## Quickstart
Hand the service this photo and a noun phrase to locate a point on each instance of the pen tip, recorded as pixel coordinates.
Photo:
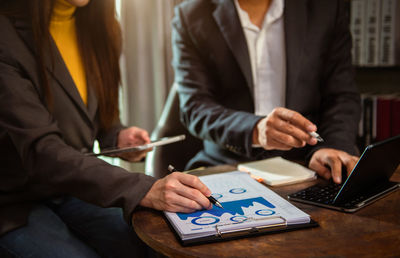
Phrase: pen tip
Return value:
(171, 168)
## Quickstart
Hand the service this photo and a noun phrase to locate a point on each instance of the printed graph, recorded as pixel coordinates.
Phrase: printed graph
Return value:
(233, 207)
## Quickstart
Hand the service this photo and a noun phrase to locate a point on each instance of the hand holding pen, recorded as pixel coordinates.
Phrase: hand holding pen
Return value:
(178, 192)
(210, 198)
(285, 129)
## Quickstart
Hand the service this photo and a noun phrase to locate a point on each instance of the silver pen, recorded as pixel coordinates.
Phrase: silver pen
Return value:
(316, 136)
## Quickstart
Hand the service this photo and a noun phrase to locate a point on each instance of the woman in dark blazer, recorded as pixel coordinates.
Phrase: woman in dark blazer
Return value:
(59, 78)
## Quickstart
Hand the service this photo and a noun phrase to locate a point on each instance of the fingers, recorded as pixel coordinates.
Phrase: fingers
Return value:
(336, 169)
(178, 192)
(175, 200)
(334, 160)
(137, 136)
(144, 135)
(285, 132)
(296, 119)
(271, 141)
(270, 138)
(284, 129)
(132, 136)
(341, 159)
(194, 182)
(194, 189)
(161, 197)
(320, 168)
(350, 162)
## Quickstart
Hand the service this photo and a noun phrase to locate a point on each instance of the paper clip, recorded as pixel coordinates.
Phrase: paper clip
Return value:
(248, 230)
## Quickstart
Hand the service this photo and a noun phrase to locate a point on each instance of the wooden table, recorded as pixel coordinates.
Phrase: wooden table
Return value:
(373, 231)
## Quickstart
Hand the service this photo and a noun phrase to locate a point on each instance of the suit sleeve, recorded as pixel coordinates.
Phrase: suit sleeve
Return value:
(109, 138)
(201, 112)
(51, 167)
(340, 106)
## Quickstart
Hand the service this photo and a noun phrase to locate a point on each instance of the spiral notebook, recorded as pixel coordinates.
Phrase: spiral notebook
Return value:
(249, 208)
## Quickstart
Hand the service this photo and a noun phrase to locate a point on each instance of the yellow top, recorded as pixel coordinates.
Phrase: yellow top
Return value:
(63, 30)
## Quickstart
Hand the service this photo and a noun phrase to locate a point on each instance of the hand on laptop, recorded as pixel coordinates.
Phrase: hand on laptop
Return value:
(328, 163)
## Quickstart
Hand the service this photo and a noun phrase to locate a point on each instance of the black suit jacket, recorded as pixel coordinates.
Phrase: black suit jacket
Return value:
(213, 73)
(41, 150)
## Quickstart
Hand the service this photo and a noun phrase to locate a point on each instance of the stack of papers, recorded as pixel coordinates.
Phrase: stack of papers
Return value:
(248, 207)
(277, 171)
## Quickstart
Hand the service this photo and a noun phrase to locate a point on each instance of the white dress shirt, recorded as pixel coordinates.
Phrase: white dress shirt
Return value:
(266, 46)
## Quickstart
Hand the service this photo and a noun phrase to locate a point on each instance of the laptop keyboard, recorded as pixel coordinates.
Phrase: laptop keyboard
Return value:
(325, 194)
(319, 193)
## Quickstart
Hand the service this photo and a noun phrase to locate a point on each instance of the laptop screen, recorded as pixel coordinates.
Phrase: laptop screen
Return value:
(376, 165)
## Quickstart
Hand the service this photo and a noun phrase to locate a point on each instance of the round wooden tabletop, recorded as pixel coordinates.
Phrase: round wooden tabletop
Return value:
(373, 231)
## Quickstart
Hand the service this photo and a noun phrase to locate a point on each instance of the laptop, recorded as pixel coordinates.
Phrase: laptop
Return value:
(367, 182)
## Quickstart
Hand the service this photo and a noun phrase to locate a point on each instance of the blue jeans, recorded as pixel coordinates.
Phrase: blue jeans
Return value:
(73, 228)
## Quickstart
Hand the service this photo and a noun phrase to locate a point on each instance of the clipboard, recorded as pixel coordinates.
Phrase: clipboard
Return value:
(155, 143)
(249, 209)
(229, 235)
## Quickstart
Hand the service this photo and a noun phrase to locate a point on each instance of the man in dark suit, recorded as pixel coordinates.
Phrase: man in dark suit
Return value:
(255, 78)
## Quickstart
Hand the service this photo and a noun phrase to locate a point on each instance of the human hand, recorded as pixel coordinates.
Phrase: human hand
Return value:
(178, 192)
(130, 137)
(284, 129)
(328, 162)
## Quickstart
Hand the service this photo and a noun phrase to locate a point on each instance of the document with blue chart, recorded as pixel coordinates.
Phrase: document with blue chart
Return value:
(248, 205)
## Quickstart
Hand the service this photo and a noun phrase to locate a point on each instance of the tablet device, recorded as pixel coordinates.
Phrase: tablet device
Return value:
(368, 181)
(155, 143)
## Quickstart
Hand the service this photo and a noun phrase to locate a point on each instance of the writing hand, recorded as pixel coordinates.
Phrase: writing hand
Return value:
(178, 192)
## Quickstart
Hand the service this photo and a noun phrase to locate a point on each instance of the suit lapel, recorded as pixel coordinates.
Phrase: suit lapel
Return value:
(60, 72)
(295, 16)
(57, 68)
(228, 22)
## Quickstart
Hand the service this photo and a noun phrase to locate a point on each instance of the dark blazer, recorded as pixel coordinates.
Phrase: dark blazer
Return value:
(41, 150)
(215, 85)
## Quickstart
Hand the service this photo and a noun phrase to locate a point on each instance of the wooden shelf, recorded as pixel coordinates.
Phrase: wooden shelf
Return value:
(378, 79)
